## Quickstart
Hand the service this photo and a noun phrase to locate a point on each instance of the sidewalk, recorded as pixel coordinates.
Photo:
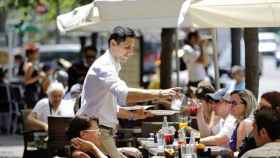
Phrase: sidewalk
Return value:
(11, 146)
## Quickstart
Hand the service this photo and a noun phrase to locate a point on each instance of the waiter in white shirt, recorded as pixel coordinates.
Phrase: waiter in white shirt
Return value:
(103, 90)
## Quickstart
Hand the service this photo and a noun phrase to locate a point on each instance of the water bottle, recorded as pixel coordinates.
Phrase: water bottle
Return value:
(165, 124)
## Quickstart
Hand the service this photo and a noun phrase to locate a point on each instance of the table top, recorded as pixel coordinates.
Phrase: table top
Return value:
(155, 150)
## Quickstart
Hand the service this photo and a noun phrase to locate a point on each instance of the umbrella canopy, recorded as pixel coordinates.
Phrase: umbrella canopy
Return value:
(103, 15)
(230, 13)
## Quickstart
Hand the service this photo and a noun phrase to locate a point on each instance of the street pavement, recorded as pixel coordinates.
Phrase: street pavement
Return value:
(270, 79)
(11, 146)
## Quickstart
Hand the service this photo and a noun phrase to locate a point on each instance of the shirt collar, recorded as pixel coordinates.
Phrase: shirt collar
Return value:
(115, 62)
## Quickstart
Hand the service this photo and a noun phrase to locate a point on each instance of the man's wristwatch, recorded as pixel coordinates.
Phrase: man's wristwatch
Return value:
(160, 95)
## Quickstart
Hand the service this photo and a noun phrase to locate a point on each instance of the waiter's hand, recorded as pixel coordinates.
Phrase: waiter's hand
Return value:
(170, 93)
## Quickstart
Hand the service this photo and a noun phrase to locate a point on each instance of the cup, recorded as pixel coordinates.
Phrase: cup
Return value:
(183, 122)
(168, 138)
(177, 102)
(186, 151)
(160, 139)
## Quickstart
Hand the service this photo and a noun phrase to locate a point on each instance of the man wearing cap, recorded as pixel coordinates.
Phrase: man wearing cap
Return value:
(221, 132)
(103, 89)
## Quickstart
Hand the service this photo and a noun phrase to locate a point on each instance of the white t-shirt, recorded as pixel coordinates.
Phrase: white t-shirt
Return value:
(225, 126)
(196, 70)
(42, 109)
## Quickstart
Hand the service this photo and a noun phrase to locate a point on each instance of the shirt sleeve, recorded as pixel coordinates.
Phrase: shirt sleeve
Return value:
(111, 80)
(191, 54)
(38, 109)
(228, 127)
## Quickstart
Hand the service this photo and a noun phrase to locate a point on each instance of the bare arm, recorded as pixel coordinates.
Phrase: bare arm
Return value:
(136, 95)
(141, 95)
(215, 140)
(137, 114)
(35, 122)
(203, 127)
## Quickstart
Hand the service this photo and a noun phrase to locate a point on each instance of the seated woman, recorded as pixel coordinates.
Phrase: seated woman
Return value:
(84, 135)
(271, 99)
(243, 104)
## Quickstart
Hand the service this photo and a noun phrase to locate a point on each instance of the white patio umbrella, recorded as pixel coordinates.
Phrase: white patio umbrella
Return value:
(230, 13)
(103, 15)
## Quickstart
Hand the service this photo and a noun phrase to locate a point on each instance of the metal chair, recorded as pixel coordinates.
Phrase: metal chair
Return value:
(29, 133)
(58, 145)
(5, 107)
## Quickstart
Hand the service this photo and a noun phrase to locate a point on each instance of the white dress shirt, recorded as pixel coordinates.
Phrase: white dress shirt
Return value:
(103, 90)
(42, 109)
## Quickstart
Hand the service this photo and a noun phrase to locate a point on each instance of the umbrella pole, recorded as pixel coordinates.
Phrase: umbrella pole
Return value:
(11, 59)
(215, 59)
(177, 59)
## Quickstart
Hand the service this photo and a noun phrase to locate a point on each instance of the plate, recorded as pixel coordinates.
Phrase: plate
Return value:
(163, 112)
(136, 107)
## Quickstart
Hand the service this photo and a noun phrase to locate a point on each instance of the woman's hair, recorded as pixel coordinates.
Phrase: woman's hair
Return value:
(78, 124)
(249, 100)
(30, 49)
(203, 89)
(55, 86)
(273, 98)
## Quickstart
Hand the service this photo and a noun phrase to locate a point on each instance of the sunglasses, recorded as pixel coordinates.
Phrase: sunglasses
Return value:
(92, 130)
(235, 103)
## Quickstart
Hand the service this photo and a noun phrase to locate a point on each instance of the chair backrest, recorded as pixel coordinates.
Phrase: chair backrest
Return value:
(5, 98)
(57, 135)
(16, 93)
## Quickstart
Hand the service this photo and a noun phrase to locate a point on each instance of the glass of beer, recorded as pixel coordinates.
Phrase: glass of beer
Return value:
(183, 122)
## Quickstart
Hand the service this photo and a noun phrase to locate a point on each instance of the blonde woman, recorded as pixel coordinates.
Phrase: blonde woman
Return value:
(243, 104)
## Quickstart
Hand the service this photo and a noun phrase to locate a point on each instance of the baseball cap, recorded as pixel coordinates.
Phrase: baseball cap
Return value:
(221, 94)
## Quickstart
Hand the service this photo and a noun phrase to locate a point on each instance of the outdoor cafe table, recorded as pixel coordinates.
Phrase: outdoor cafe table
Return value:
(154, 150)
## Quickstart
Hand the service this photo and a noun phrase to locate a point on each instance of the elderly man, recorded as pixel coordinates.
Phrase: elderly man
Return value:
(221, 132)
(103, 89)
(51, 106)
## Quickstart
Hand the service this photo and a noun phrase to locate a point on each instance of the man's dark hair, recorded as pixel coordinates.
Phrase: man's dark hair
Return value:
(268, 119)
(120, 34)
(88, 48)
(77, 125)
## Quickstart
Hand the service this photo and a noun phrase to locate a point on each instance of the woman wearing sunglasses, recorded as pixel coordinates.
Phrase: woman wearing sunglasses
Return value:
(243, 104)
